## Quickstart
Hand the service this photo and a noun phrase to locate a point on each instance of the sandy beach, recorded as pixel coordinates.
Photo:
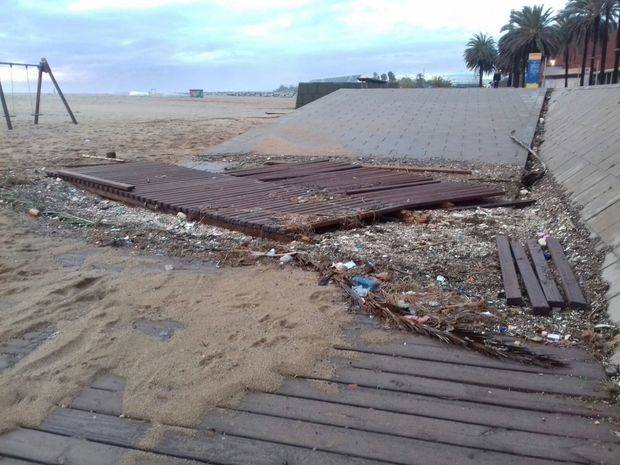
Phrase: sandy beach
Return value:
(236, 328)
(137, 128)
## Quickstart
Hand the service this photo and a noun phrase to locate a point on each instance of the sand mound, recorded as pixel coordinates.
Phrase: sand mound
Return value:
(236, 329)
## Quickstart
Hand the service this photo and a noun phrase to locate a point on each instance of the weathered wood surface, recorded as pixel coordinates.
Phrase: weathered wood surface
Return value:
(411, 401)
(572, 290)
(509, 272)
(545, 276)
(539, 303)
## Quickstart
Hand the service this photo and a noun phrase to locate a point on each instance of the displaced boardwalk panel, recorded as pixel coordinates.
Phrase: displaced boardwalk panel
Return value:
(572, 291)
(278, 201)
(532, 286)
(509, 272)
(545, 277)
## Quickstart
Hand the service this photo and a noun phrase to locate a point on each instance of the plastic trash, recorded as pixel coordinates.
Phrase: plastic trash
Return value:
(360, 290)
(441, 279)
(371, 284)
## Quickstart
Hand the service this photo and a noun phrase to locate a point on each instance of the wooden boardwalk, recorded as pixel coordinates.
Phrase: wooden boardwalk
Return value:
(414, 401)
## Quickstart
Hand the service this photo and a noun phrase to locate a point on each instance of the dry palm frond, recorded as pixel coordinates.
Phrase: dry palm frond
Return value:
(447, 331)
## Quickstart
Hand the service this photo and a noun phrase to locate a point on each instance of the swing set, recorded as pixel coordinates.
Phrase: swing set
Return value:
(42, 67)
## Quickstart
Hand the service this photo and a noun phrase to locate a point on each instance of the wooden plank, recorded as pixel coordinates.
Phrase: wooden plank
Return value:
(545, 276)
(363, 444)
(430, 429)
(75, 175)
(454, 390)
(109, 382)
(539, 303)
(454, 410)
(509, 272)
(12, 461)
(483, 376)
(449, 353)
(191, 444)
(51, 448)
(572, 290)
(100, 401)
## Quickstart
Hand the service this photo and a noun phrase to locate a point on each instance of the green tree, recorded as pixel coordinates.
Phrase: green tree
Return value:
(586, 17)
(480, 54)
(391, 79)
(565, 31)
(610, 9)
(529, 30)
(439, 81)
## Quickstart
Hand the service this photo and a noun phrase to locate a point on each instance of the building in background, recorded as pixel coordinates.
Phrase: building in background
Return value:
(554, 72)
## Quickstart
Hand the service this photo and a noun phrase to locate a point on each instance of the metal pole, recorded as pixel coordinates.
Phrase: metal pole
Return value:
(46, 67)
(5, 109)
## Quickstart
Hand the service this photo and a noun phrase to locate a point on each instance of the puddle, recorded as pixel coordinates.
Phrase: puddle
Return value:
(16, 349)
(161, 329)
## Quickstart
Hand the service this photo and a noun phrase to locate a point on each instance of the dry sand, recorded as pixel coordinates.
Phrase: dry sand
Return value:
(137, 128)
(243, 328)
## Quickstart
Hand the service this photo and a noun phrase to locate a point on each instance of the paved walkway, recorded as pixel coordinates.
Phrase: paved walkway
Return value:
(411, 402)
(420, 124)
(582, 150)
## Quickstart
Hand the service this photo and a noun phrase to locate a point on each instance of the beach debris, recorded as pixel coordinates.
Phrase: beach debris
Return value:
(34, 212)
(182, 216)
(271, 253)
(412, 217)
(106, 158)
(371, 284)
(111, 154)
(287, 258)
(169, 267)
(441, 279)
(538, 275)
(340, 266)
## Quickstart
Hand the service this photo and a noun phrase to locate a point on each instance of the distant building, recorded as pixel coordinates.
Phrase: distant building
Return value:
(196, 93)
(310, 91)
(554, 66)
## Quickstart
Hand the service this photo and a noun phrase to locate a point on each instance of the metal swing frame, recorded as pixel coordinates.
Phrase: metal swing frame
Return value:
(42, 67)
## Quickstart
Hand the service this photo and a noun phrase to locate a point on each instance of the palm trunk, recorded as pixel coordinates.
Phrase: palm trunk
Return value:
(614, 76)
(480, 77)
(586, 41)
(601, 73)
(566, 58)
(593, 57)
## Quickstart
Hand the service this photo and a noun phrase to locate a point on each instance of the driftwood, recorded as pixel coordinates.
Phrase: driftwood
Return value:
(96, 157)
(381, 305)
(420, 168)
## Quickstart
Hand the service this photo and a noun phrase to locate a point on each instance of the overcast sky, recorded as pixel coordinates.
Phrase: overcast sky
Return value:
(123, 45)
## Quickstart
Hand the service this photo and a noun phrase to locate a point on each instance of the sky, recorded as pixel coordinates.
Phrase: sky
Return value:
(116, 46)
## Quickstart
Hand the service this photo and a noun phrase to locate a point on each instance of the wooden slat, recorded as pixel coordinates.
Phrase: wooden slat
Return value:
(483, 376)
(454, 410)
(101, 401)
(545, 276)
(109, 383)
(372, 446)
(52, 448)
(430, 429)
(12, 461)
(455, 390)
(449, 353)
(572, 290)
(509, 272)
(539, 303)
(104, 182)
(204, 446)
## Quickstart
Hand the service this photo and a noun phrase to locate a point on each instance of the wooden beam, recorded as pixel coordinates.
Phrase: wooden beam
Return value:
(545, 276)
(509, 272)
(572, 291)
(539, 303)
(5, 109)
(37, 105)
(46, 67)
(74, 175)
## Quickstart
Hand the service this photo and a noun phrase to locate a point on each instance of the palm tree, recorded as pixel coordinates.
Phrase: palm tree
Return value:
(529, 30)
(610, 8)
(586, 15)
(565, 31)
(614, 76)
(480, 54)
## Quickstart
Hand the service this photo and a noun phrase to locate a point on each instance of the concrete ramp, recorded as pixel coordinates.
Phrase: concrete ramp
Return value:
(419, 124)
(582, 149)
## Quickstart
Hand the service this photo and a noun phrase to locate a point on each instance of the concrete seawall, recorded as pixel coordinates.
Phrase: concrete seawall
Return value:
(582, 150)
